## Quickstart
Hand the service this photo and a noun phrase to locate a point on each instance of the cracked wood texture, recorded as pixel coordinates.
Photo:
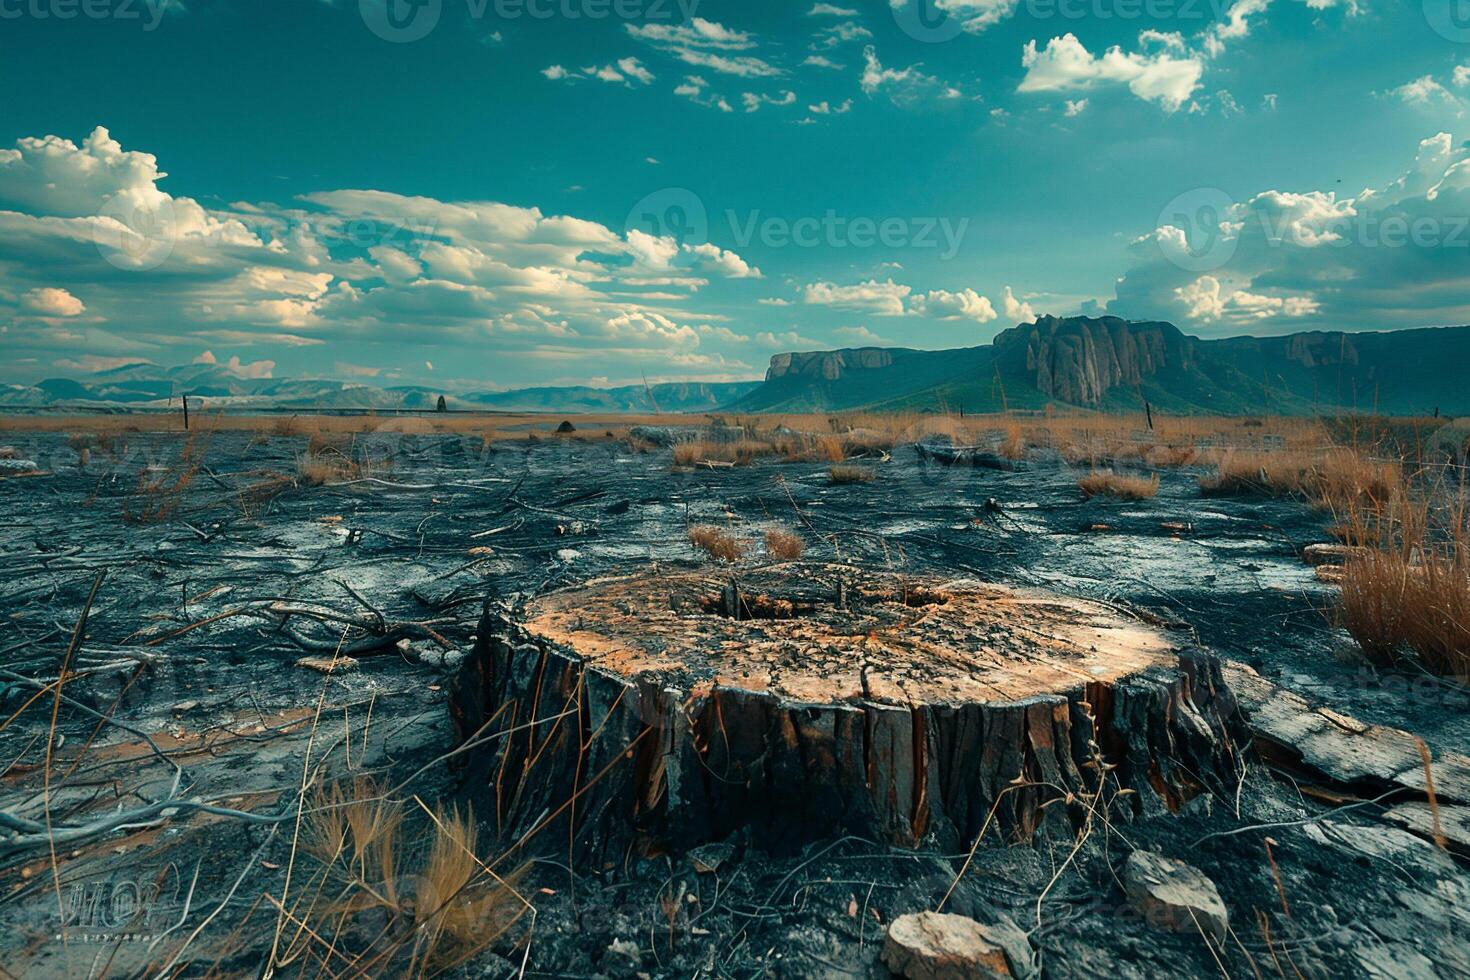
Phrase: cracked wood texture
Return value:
(675, 707)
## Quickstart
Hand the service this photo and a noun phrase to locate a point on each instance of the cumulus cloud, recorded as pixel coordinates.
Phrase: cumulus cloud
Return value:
(1391, 256)
(963, 305)
(1165, 76)
(883, 298)
(50, 301)
(161, 273)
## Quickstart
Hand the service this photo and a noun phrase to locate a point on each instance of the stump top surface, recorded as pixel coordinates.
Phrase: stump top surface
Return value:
(822, 633)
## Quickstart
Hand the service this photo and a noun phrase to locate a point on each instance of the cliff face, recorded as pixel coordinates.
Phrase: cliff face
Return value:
(828, 365)
(1080, 359)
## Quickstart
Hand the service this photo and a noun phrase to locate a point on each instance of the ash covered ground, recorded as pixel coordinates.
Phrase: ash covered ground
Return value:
(186, 708)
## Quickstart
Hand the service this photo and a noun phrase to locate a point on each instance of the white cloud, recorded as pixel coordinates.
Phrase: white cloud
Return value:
(50, 301)
(1075, 107)
(830, 10)
(862, 335)
(1424, 91)
(635, 70)
(457, 273)
(1064, 65)
(1389, 256)
(706, 44)
(963, 305)
(1014, 309)
(788, 340)
(825, 108)
(883, 298)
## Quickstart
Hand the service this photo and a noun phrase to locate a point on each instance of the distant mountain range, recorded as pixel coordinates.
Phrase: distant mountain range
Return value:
(148, 386)
(1111, 364)
(1104, 364)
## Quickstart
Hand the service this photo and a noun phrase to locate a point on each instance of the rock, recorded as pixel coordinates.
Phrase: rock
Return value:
(1173, 895)
(566, 428)
(662, 435)
(708, 857)
(328, 665)
(938, 946)
(828, 365)
(1328, 554)
(1080, 359)
(622, 959)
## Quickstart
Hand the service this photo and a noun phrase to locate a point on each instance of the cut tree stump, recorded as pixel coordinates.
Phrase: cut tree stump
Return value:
(672, 708)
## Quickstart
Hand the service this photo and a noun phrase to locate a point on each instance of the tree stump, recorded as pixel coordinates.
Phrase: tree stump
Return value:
(673, 708)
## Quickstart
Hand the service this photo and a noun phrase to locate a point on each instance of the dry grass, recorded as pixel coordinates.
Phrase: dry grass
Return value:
(1337, 478)
(850, 474)
(1408, 589)
(784, 545)
(1014, 444)
(1105, 483)
(704, 451)
(161, 493)
(439, 903)
(320, 469)
(716, 543)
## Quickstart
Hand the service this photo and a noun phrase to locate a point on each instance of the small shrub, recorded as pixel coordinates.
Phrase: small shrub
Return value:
(784, 544)
(718, 544)
(1104, 483)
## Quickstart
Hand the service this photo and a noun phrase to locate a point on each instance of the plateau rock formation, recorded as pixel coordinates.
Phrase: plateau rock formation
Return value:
(1080, 359)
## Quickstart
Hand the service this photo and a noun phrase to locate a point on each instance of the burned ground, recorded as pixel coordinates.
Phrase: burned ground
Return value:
(218, 568)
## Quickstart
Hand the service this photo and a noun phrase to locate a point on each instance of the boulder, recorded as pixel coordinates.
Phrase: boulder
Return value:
(938, 946)
(1173, 895)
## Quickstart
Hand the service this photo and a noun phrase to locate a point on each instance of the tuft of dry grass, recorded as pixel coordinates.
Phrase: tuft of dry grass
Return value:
(160, 494)
(1014, 444)
(1105, 483)
(703, 451)
(441, 903)
(1337, 478)
(319, 469)
(785, 545)
(716, 543)
(850, 474)
(1406, 587)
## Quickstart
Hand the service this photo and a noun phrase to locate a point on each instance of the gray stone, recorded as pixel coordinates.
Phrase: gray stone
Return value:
(938, 946)
(1173, 895)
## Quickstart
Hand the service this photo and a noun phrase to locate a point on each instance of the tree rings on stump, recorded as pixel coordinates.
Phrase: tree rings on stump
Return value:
(799, 700)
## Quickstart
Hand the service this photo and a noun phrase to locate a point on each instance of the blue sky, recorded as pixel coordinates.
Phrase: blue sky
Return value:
(493, 193)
